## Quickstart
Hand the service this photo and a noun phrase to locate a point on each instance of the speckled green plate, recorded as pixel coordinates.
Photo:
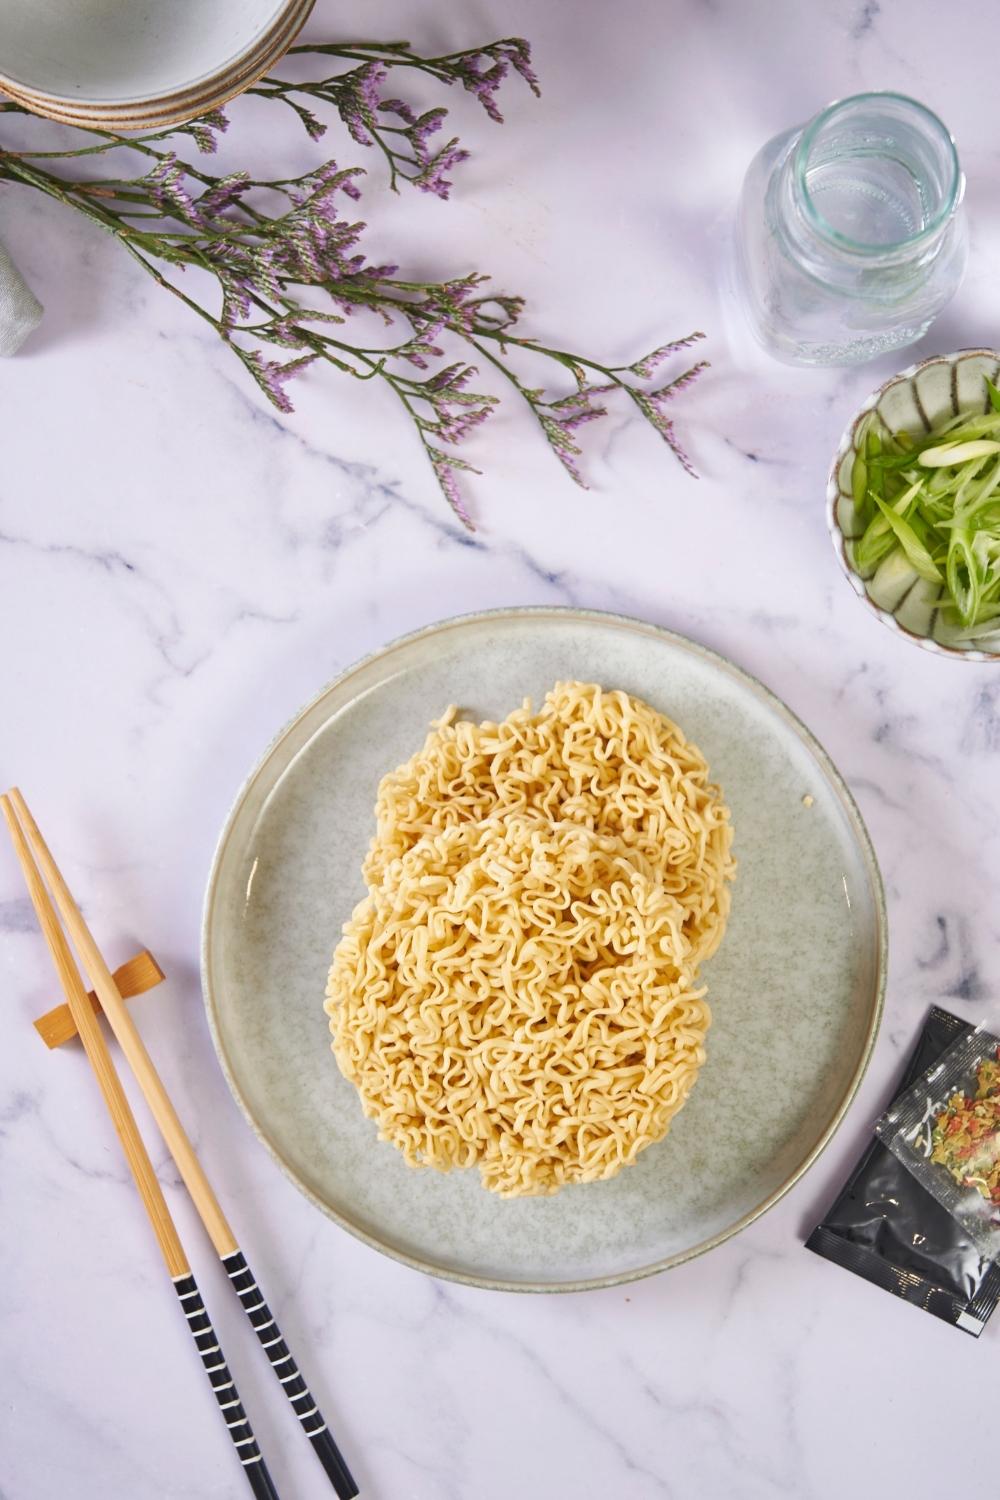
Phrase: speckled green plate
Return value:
(796, 989)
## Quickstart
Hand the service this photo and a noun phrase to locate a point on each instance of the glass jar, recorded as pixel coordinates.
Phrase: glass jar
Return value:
(851, 235)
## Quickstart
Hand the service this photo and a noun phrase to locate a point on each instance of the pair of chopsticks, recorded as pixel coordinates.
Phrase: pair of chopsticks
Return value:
(31, 847)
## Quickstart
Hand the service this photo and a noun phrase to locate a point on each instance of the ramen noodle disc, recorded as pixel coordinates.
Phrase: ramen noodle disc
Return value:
(518, 991)
(602, 759)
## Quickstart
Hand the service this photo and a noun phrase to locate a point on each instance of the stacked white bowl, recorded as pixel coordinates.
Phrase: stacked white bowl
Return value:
(133, 64)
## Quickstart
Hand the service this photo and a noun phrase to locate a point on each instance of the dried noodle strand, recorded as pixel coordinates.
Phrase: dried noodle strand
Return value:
(518, 991)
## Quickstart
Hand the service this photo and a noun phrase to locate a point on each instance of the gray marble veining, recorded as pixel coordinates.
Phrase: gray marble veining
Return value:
(179, 571)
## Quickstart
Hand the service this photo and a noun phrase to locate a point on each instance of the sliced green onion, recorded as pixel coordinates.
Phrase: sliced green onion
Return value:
(932, 501)
(972, 424)
(976, 632)
(874, 478)
(918, 555)
(878, 541)
(957, 453)
(963, 578)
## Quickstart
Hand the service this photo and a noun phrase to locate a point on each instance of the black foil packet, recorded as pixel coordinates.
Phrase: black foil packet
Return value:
(885, 1227)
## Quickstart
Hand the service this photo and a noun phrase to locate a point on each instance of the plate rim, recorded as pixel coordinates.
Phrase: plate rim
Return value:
(837, 784)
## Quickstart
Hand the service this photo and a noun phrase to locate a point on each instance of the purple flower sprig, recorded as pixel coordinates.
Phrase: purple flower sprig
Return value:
(561, 419)
(405, 138)
(294, 288)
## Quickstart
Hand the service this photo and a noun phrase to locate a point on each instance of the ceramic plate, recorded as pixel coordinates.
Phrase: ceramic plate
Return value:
(796, 988)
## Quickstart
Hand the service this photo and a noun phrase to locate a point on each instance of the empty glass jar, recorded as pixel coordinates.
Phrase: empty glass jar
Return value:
(851, 234)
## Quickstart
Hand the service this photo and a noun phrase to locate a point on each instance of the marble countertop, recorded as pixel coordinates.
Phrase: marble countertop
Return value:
(179, 570)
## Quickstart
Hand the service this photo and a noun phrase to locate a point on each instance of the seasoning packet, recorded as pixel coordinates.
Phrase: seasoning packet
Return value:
(945, 1129)
(890, 1230)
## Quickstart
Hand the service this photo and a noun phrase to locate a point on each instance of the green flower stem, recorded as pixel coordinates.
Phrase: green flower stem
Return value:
(177, 214)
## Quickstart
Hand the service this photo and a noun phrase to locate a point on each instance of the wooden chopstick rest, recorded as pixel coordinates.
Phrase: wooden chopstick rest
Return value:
(133, 978)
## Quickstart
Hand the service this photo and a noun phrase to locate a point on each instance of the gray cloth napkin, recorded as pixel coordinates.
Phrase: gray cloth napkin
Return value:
(20, 309)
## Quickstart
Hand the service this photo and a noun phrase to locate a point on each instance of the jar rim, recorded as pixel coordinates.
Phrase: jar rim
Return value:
(859, 247)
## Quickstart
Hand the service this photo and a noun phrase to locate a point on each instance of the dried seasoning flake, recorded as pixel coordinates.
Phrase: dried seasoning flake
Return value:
(965, 1138)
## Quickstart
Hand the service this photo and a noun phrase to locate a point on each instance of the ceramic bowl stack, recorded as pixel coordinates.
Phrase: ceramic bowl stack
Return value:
(148, 63)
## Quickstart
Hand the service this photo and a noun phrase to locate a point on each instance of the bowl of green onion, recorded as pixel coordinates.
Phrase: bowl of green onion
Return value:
(913, 504)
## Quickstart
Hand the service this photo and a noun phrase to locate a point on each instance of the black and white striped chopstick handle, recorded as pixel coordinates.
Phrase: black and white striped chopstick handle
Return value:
(284, 1366)
(222, 1383)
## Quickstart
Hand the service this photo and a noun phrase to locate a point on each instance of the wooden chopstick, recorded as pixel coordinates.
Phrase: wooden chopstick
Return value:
(244, 1282)
(178, 1266)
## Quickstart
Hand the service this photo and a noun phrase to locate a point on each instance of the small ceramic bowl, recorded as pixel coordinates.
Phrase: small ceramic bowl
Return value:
(914, 401)
(155, 62)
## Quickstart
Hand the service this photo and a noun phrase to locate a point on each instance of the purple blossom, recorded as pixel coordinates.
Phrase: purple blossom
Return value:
(574, 411)
(430, 330)
(417, 131)
(649, 405)
(452, 427)
(417, 353)
(568, 458)
(578, 418)
(329, 178)
(381, 273)
(315, 129)
(309, 244)
(357, 98)
(419, 128)
(370, 79)
(304, 251)
(454, 302)
(426, 125)
(484, 81)
(236, 292)
(561, 419)
(165, 185)
(644, 368)
(432, 178)
(670, 437)
(570, 464)
(484, 85)
(519, 52)
(272, 377)
(203, 130)
(461, 289)
(565, 449)
(452, 379)
(260, 264)
(682, 382)
(399, 107)
(224, 194)
(445, 466)
(422, 347)
(286, 332)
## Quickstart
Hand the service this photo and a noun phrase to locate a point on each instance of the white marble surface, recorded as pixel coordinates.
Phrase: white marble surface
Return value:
(179, 570)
